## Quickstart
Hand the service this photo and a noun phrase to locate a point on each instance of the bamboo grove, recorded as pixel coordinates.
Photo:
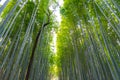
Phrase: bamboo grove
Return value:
(87, 45)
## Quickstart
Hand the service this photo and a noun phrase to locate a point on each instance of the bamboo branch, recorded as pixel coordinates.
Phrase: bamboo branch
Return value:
(35, 45)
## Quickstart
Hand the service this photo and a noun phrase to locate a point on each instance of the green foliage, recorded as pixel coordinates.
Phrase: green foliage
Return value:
(88, 40)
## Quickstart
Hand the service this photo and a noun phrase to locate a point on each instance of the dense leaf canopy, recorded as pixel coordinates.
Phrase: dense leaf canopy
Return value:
(87, 45)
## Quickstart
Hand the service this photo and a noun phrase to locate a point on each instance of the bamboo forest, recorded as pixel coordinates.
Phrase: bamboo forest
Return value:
(59, 39)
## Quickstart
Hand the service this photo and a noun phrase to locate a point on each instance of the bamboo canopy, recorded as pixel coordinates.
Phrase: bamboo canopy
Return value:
(85, 45)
